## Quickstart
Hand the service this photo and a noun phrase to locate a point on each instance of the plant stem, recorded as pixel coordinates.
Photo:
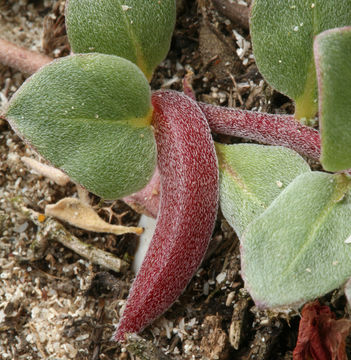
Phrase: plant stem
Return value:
(270, 129)
(306, 106)
(21, 59)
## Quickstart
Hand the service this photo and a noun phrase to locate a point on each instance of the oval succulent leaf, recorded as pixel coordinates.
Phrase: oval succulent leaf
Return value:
(90, 115)
(251, 177)
(333, 54)
(282, 36)
(297, 250)
(139, 31)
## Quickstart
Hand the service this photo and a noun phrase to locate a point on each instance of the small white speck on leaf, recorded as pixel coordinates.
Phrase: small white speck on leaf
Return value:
(308, 270)
(335, 262)
(296, 28)
(313, 5)
(348, 240)
(96, 116)
(279, 183)
(126, 7)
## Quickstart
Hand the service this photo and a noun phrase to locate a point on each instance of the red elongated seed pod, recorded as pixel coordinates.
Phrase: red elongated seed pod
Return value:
(189, 197)
(283, 130)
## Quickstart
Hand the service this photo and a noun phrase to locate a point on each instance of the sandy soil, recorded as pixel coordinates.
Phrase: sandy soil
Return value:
(55, 304)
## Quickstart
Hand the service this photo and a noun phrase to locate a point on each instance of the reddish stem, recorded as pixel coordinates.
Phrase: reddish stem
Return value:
(270, 129)
(21, 59)
(189, 180)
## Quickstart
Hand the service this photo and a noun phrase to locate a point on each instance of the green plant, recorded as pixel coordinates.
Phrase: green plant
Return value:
(302, 236)
(291, 40)
(93, 116)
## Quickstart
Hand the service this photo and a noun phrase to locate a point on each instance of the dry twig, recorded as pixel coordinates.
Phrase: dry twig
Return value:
(56, 175)
(237, 13)
(53, 230)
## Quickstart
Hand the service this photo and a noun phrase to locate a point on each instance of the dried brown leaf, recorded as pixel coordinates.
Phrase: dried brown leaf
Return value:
(81, 215)
(321, 336)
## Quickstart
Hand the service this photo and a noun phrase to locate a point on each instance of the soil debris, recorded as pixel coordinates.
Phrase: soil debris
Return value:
(59, 305)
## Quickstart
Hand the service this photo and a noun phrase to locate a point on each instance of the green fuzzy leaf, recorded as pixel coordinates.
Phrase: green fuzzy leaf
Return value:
(139, 31)
(251, 177)
(333, 54)
(282, 36)
(90, 115)
(297, 250)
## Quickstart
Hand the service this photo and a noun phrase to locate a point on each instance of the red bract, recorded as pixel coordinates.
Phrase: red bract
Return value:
(189, 195)
(321, 337)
